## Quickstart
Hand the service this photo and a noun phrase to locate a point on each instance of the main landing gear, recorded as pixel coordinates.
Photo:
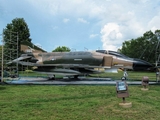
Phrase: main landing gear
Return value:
(51, 77)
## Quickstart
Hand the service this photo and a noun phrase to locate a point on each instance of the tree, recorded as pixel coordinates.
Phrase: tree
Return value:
(0, 55)
(62, 49)
(15, 32)
(143, 47)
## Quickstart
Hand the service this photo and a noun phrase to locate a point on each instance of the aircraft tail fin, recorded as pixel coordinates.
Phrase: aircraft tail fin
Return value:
(33, 49)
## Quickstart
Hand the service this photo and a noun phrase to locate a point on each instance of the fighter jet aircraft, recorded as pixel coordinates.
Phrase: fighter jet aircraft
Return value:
(79, 62)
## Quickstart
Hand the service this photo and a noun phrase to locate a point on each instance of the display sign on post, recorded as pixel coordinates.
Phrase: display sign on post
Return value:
(121, 86)
(122, 92)
(145, 82)
(122, 89)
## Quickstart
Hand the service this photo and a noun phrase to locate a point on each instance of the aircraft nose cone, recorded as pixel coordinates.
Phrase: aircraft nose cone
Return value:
(141, 65)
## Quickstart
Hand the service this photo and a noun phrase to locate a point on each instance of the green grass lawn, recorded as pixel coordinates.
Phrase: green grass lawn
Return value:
(132, 75)
(47, 102)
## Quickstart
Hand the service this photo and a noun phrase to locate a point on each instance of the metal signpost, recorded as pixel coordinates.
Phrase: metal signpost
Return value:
(145, 83)
(122, 92)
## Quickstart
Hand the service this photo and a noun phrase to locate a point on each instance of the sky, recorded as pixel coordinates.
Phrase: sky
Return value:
(83, 24)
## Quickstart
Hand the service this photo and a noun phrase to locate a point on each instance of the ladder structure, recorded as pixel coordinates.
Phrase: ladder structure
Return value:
(157, 58)
(9, 51)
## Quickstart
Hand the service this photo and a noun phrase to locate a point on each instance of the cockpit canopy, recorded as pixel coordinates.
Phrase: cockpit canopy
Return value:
(112, 53)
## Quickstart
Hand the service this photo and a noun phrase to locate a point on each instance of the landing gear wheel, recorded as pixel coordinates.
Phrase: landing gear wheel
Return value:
(76, 76)
(52, 77)
(123, 78)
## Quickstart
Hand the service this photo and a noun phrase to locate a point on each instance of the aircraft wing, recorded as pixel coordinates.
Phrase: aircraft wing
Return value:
(57, 65)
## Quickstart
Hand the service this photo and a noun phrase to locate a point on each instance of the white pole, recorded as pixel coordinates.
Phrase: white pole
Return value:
(17, 55)
(2, 56)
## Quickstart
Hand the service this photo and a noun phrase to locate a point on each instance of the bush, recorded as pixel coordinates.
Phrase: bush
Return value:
(29, 71)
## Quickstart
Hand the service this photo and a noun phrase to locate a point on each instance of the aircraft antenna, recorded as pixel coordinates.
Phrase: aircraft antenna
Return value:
(85, 48)
(30, 49)
(73, 49)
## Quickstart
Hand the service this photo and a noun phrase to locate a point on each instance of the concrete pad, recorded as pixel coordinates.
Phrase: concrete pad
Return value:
(144, 89)
(126, 105)
(84, 81)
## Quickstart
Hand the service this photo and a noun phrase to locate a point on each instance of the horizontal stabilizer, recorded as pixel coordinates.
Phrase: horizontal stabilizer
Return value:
(22, 58)
(19, 59)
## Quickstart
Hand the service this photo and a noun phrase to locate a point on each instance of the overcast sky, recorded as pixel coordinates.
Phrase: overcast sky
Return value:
(83, 24)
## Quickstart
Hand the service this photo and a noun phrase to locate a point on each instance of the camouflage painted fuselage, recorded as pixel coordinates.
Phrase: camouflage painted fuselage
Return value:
(80, 59)
(80, 62)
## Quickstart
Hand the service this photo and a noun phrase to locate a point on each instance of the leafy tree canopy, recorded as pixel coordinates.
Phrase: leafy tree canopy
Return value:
(62, 49)
(143, 47)
(15, 33)
(18, 26)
